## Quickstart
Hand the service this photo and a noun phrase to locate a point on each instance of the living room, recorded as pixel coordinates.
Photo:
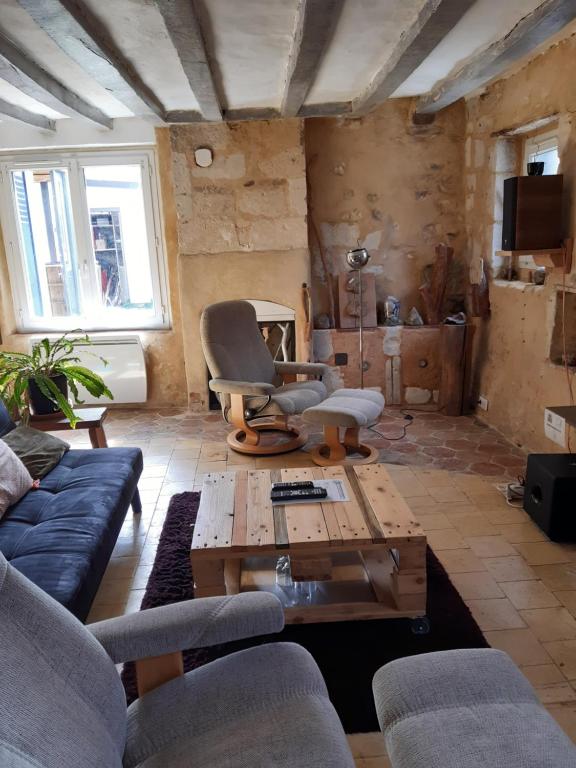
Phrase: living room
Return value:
(322, 243)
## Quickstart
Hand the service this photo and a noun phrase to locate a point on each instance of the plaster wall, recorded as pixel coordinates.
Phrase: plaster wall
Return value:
(241, 225)
(393, 186)
(513, 367)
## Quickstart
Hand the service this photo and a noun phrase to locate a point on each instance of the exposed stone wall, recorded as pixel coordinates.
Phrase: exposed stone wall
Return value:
(241, 225)
(253, 196)
(405, 362)
(513, 368)
(394, 186)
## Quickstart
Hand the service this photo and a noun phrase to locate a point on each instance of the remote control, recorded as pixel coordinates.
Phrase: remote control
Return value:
(299, 494)
(295, 485)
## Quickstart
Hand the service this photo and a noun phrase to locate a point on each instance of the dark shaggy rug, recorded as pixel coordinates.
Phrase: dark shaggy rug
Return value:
(348, 653)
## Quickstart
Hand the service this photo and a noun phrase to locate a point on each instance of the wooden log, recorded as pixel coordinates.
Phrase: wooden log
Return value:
(434, 291)
(468, 401)
(452, 354)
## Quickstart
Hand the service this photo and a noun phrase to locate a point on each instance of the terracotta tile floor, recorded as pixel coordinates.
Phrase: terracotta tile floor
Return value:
(520, 587)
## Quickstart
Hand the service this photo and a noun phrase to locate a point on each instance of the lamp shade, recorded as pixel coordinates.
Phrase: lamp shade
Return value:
(357, 258)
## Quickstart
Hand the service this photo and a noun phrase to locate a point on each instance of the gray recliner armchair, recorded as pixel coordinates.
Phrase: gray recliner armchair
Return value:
(62, 704)
(250, 384)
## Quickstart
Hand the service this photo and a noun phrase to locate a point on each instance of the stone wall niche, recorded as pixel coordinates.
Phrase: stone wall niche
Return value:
(208, 278)
(564, 330)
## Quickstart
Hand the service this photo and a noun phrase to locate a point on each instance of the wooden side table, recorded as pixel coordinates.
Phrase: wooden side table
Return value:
(91, 419)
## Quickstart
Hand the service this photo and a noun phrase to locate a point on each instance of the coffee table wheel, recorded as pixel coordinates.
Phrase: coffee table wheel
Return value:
(420, 626)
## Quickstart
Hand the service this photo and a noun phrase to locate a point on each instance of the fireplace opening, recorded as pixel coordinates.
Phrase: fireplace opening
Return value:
(277, 324)
(563, 345)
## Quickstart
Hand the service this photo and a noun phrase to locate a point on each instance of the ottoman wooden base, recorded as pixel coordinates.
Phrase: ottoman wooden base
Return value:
(350, 410)
(348, 451)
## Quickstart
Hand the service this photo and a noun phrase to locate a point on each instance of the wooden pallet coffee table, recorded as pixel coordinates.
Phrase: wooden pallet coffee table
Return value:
(366, 557)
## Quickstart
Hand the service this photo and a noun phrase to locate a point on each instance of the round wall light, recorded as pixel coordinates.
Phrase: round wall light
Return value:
(203, 157)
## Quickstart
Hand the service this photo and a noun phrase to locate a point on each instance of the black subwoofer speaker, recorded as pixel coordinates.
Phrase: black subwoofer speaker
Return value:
(550, 494)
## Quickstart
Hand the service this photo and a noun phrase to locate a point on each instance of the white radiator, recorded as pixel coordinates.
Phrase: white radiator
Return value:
(125, 374)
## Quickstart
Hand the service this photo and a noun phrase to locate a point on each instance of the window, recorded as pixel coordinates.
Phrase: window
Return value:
(542, 149)
(82, 233)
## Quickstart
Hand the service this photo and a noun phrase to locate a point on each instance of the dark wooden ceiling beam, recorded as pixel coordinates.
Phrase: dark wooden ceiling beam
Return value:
(434, 21)
(23, 73)
(326, 109)
(183, 116)
(24, 116)
(186, 34)
(83, 37)
(315, 24)
(530, 32)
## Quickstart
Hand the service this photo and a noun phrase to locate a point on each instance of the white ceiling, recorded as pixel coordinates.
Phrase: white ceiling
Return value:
(248, 45)
(484, 23)
(16, 24)
(250, 41)
(139, 32)
(365, 37)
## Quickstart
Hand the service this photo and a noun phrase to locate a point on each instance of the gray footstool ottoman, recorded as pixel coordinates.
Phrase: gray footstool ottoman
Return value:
(348, 409)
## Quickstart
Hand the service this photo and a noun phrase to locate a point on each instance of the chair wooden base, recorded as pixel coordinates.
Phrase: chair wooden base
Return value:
(241, 440)
(246, 436)
(348, 451)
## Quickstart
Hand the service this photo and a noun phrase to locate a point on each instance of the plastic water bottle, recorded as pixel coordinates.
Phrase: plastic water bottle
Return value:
(283, 573)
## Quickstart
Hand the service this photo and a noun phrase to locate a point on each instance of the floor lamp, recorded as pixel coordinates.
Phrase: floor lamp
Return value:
(357, 259)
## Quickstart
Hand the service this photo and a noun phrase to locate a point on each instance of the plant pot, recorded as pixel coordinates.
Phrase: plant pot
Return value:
(41, 405)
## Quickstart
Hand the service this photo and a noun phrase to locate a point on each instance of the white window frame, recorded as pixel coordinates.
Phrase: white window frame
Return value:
(73, 162)
(539, 143)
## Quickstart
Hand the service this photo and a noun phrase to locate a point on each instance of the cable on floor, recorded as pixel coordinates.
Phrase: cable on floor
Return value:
(407, 417)
(514, 492)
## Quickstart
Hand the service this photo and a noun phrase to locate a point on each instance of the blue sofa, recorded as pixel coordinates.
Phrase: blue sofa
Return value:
(61, 536)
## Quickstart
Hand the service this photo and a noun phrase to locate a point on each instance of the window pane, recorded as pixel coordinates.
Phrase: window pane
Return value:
(550, 159)
(119, 239)
(44, 217)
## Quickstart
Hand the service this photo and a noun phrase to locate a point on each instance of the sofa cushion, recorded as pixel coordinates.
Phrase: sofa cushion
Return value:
(38, 451)
(6, 423)
(62, 535)
(15, 480)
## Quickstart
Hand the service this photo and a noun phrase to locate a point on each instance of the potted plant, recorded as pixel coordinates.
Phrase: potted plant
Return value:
(44, 378)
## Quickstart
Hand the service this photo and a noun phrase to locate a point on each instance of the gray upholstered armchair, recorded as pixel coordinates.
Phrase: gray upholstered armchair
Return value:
(249, 384)
(465, 709)
(62, 703)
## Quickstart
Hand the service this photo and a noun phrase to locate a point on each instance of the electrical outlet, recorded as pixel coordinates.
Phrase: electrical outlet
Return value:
(555, 427)
(483, 403)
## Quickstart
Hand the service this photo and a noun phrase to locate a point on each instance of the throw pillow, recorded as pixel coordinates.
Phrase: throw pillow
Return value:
(15, 480)
(38, 451)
